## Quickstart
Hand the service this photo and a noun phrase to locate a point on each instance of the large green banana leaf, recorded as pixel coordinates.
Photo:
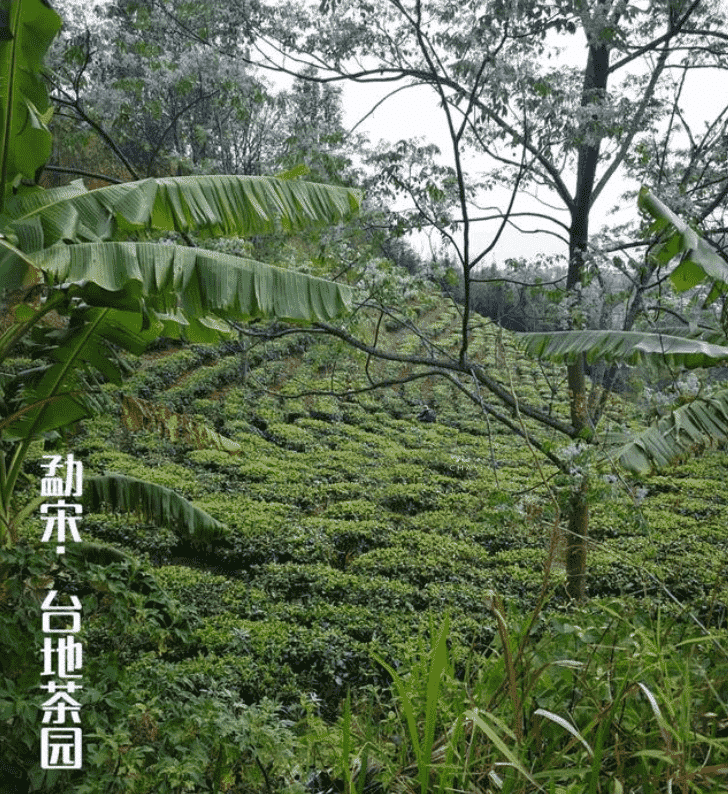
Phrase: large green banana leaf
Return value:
(698, 260)
(190, 287)
(27, 28)
(138, 291)
(162, 506)
(211, 205)
(59, 393)
(688, 429)
(630, 347)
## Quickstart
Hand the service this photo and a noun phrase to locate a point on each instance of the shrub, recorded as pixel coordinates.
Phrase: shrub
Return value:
(125, 613)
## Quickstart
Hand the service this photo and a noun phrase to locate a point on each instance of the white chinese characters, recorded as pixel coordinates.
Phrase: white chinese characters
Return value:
(67, 515)
(61, 735)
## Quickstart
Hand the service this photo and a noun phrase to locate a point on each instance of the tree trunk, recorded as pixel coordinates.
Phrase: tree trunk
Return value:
(593, 88)
(576, 542)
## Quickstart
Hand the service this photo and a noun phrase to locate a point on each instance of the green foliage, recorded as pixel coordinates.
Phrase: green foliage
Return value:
(125, 613)
(119, 296)
(193, 743)
(27, 28)
(698, 259)
(628, 346)
(134, 534)
(155, 469)
(424, 682)
(351, 510)
(408, 499)
(155, 502)
(690, 427)
(318, 573)
(160, 374)
(137, 414)
(595, 701)
(350, 525)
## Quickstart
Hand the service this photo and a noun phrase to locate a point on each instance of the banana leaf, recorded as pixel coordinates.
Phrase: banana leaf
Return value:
(27, 28)
(630, 347)
(687, 430)
(160, 505)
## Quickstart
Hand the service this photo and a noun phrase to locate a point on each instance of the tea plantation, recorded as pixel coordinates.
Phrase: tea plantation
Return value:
(265, 660)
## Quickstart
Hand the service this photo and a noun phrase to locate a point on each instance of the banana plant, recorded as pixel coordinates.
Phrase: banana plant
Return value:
(692, 426)
(89, 260)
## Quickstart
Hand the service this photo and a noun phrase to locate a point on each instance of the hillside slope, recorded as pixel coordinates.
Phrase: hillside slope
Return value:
(351, 519)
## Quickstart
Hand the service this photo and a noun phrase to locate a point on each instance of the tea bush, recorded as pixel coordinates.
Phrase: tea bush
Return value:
(351, 524)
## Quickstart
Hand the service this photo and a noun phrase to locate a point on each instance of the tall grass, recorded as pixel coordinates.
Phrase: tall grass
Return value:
(608, 700)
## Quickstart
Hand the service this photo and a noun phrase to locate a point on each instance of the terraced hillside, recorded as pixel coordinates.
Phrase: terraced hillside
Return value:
(350, 519)
(351, 523)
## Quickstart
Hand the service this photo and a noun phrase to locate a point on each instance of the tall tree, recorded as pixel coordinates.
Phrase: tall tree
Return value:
(316, 135)
(163, 102)
(537, 127)
(166, 103)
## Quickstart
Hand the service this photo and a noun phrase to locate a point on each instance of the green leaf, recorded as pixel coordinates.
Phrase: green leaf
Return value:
(406, 705)
(566, 725)
(154, 502)
(66, 408)
(23, 312)
(28, 212)
(27, 28)
(191, 289)
(479, 718)
(293, 173)
(137, 414)
(631, 347)
(698, 260)
(28, 234)
(17, 270)
(438, 664)
(687, 429)
(57, 394)
(216, 205)
(687, 275)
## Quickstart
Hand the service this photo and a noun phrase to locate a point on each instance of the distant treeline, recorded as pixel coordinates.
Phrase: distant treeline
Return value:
(520, 295)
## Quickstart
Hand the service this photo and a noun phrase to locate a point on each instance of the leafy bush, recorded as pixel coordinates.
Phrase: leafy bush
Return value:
(124, 613)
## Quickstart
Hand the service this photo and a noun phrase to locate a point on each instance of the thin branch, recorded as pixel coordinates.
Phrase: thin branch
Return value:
(59, 169)
(75, 105)
(381, 102)
(175, 118)
(392, 74)
(506, 215)
(477, 280)
(717, 202)
(671, 33)
(373, 386)
(634, 127)
(516, 427)
(450, 366)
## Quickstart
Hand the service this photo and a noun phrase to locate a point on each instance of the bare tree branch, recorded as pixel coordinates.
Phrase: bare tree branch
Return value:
(60, 169)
